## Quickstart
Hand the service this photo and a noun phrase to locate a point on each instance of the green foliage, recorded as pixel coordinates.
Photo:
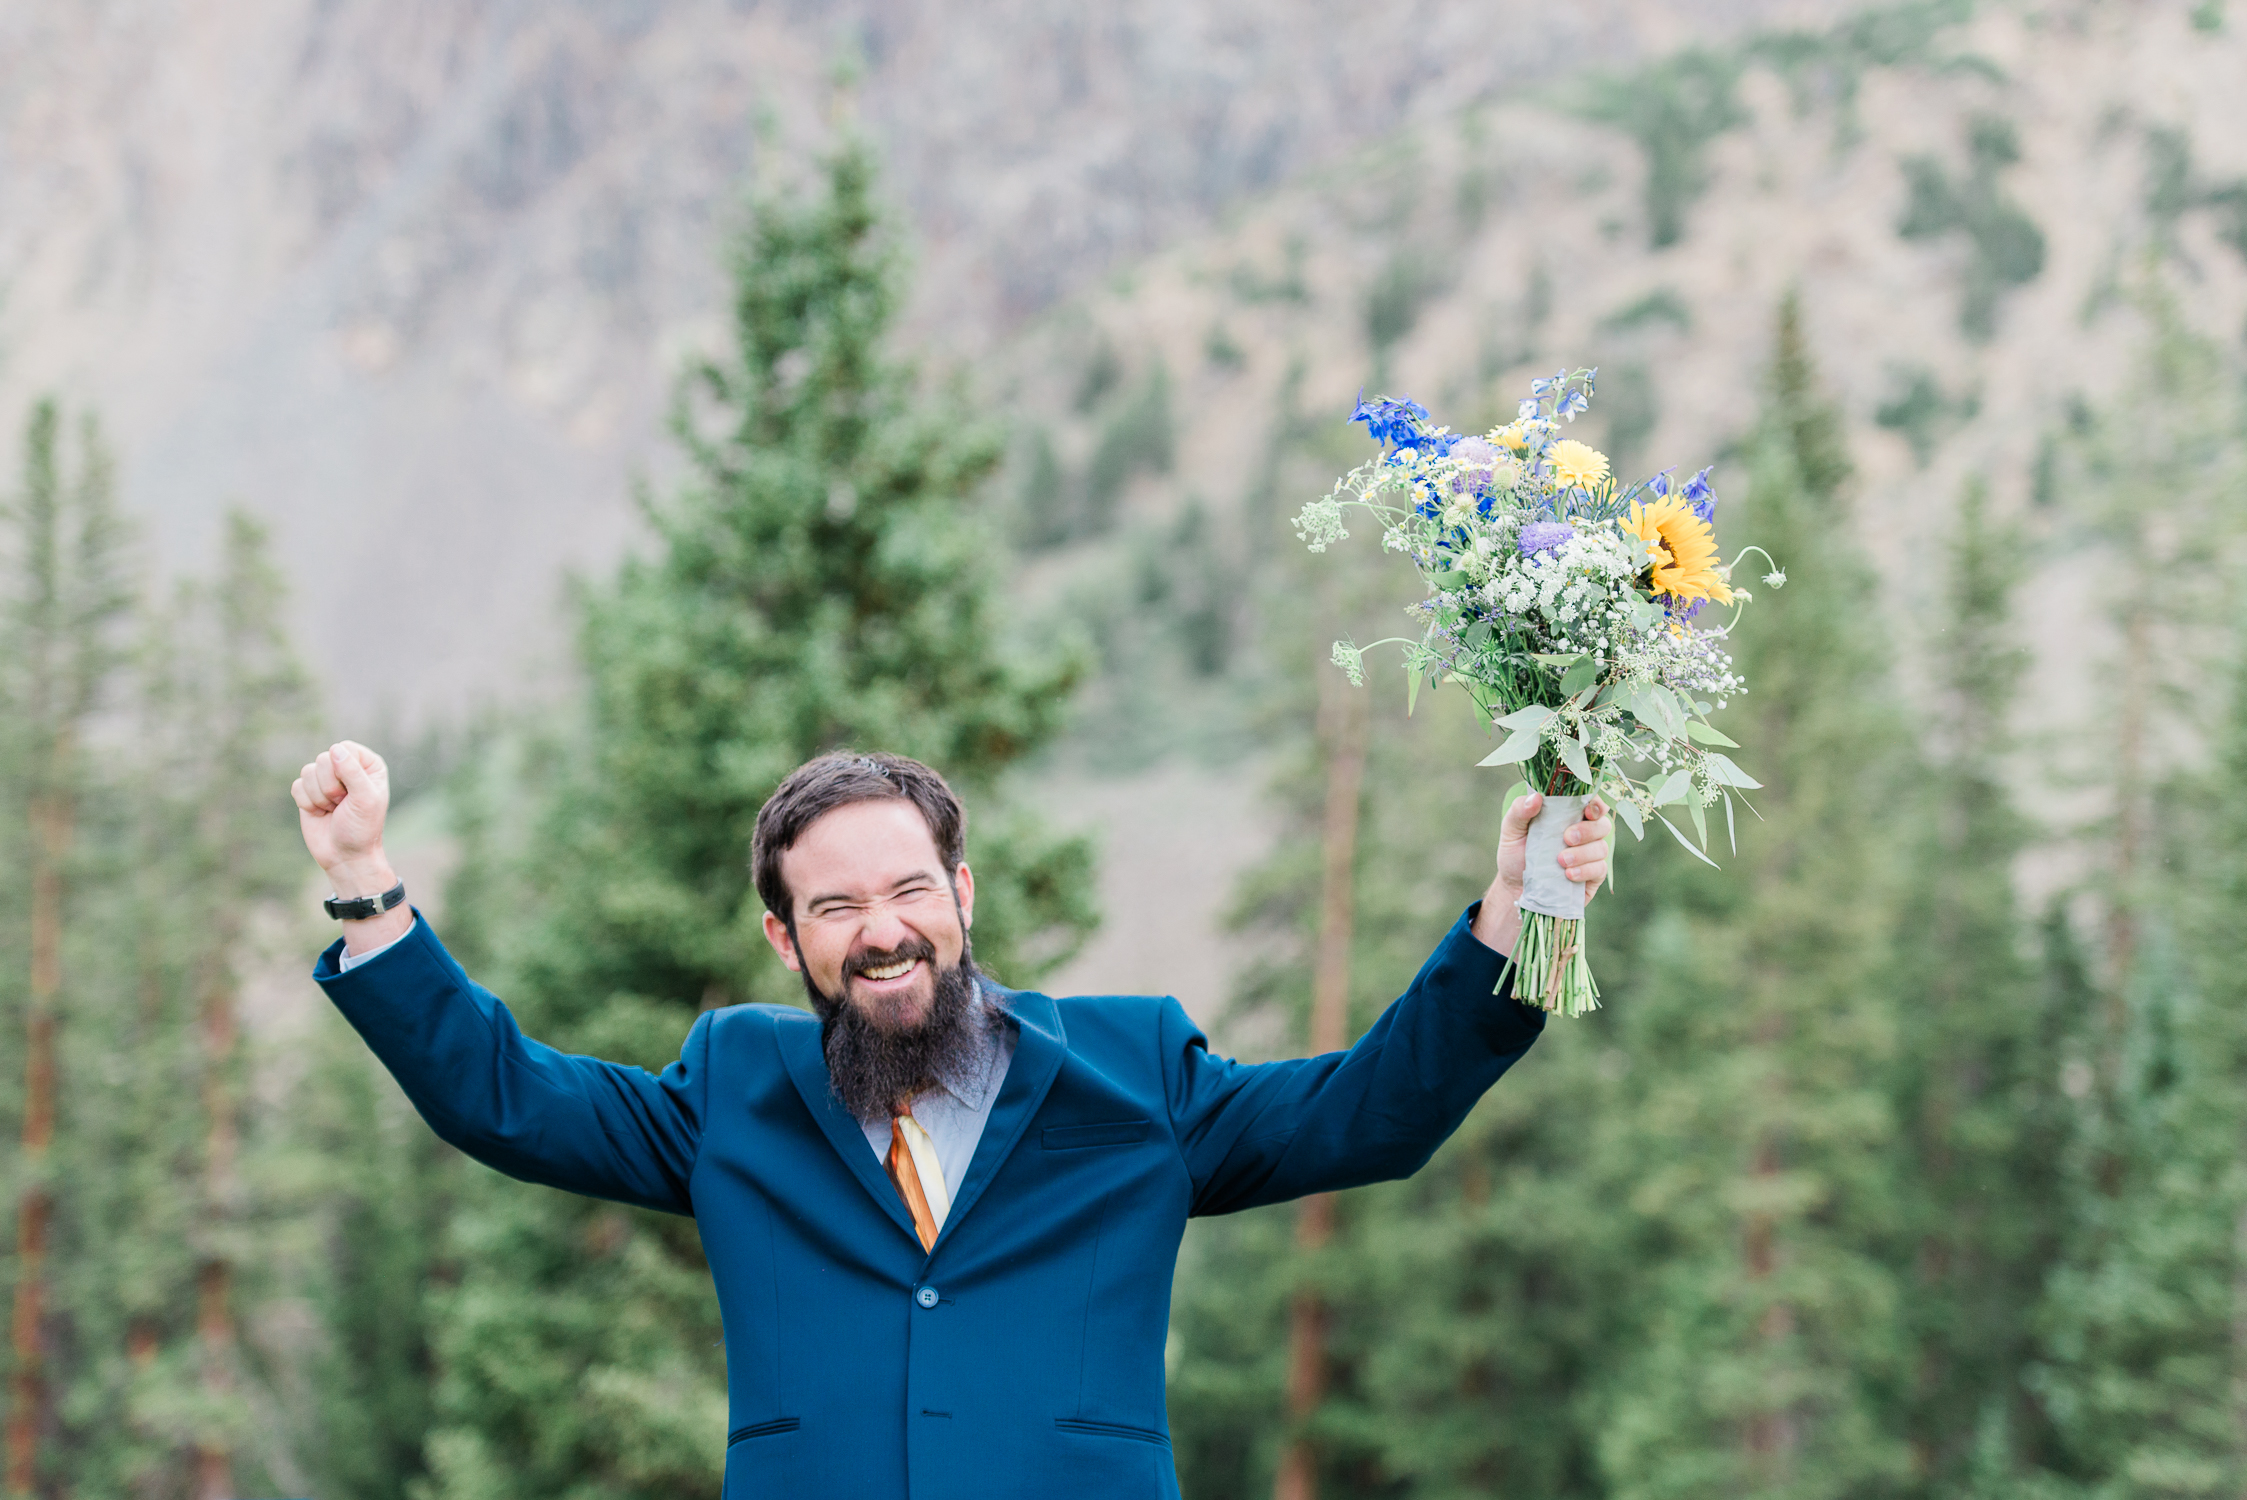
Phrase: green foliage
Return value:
(1632, 406)
(1135, 439)
(169, 1192)
(1922, 412)
(1752, 1141)
(1221, 350)
(1983, 1122)
(1102, 373)
(1662, 305)
(1392, 303)
(1255, 287)
(2174, 188)
(2141, 1361)
(1832, 64)
(1672, 110)
(2005, 247)
(822, 580)
(1041, 493)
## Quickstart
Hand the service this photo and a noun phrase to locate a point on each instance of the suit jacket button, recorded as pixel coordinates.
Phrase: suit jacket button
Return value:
(926, 1296)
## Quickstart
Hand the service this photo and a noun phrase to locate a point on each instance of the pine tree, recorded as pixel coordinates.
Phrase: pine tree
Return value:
(162, 1220)
(1753, 1139)
(2144, 1367)
(822, 580)
(57, 660)
(1982, 1120)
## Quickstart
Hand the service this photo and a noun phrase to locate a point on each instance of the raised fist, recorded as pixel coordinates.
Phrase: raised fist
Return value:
(341, 798)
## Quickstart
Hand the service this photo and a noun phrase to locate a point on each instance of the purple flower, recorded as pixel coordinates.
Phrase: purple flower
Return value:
(1544, 536)
(1700, 495)
(1480, 458)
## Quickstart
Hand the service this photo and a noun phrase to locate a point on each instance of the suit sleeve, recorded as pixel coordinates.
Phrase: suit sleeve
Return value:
(1264, 1133)
(519, 1106)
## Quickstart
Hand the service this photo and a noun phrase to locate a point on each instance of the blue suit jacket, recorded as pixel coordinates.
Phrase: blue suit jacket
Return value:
(1023, 1356)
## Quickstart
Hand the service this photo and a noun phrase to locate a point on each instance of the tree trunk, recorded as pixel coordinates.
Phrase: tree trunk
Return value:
(1771, 1433)
(1342, 716)
(27, 1396)
(214, 1280)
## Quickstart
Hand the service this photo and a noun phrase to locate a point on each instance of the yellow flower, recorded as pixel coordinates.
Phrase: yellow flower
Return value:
(1577, 463)
(1513, 435)
(1681, 547)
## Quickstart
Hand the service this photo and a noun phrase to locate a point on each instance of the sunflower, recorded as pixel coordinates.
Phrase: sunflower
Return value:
(1682, 549)
(1576, 463)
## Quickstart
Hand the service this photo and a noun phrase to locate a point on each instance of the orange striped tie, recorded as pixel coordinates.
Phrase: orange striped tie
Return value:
(907, 1177)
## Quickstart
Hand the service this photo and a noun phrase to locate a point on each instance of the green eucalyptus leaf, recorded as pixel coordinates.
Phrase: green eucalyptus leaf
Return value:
(1628, 811)
(1572, 756)
(1581, 676)
(1449, 579)
(1697, 730)
(1519, 746)
(1674, 786)
(1668, 712)
(1731, 829)
(1687, 843)
(1527, 718)
(1412, 693)
(1729, 774)
(1550, 659)
(1514, 793)
(1700, 820)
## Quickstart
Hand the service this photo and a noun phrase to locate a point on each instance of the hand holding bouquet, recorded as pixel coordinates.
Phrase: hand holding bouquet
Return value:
(1570, 608)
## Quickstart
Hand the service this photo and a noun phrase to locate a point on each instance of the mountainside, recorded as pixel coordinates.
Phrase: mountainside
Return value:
(413, 278)
(1973, 209)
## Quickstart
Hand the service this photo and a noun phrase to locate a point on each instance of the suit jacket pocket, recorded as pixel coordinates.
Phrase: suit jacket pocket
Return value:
(1107, 1133)
(774, 1428)
(1112, 1430)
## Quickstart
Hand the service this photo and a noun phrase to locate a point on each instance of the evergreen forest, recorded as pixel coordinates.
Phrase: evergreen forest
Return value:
(1908, 1160)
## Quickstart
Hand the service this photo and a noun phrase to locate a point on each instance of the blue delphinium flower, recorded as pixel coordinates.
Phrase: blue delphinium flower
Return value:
(1544, 536)
(1700, 495)
(1391, 423)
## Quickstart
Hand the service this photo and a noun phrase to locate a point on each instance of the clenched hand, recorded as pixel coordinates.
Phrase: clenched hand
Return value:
(1583, 857)
(341, 799)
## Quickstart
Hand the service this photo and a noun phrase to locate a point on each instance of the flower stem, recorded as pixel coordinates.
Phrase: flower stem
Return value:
(1550, 958)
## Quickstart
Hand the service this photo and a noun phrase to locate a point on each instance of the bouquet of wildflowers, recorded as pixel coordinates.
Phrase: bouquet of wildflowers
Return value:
(1570, 607)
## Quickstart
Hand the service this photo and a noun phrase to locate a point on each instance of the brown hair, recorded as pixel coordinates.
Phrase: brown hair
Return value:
(838, 779)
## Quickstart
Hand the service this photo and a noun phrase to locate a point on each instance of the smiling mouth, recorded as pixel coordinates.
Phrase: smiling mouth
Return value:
(884, 972)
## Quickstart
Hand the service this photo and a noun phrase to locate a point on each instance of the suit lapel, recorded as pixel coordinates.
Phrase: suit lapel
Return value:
(1039, 1045)
(807, 1066)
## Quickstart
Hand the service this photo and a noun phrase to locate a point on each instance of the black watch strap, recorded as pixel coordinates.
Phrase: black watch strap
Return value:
(359, 908)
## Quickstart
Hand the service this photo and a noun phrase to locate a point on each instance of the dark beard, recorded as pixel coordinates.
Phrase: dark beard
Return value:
(874, 1070)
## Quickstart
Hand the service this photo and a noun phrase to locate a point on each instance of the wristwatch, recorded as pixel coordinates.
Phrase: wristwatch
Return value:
(359, 908)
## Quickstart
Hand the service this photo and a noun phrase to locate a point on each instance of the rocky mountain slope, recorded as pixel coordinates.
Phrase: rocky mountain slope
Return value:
(1971, 208)
(411, 278)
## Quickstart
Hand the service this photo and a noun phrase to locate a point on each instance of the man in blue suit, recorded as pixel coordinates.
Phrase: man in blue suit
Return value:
(942, 1216)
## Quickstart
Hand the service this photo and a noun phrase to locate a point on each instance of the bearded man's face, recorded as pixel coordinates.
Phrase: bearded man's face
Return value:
(880, 936)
